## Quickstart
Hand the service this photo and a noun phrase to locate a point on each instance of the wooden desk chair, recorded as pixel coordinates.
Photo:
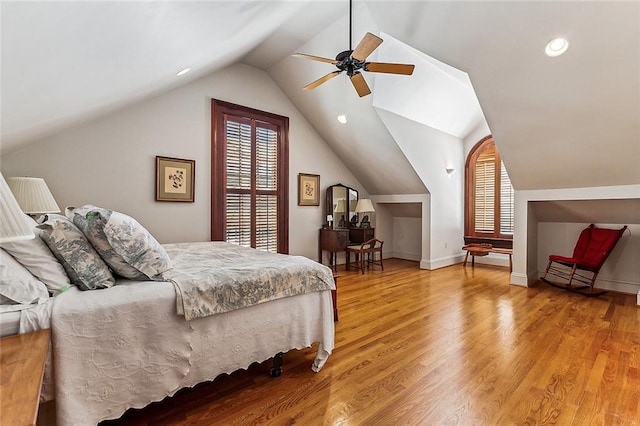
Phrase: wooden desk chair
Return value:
(367, 249)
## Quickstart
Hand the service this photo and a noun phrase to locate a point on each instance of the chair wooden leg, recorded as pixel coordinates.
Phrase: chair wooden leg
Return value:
(546, 271)
(381, 265)
(573, 271)
(362, 263)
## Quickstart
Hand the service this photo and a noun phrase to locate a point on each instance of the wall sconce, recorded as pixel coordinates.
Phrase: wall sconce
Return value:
(450, 171)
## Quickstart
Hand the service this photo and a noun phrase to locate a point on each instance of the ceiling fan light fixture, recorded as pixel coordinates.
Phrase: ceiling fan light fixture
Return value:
(342, 118)
(183, 72)
(556, 47)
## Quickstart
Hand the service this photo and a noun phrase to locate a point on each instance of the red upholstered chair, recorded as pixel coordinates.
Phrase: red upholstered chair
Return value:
(591, 251)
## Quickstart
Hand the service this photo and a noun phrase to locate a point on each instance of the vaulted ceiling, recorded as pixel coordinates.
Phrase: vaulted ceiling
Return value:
(570, 121)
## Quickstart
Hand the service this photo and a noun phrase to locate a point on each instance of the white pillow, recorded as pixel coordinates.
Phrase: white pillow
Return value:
(69, 245)
(17, 284)
(126, 245)
(34, 255)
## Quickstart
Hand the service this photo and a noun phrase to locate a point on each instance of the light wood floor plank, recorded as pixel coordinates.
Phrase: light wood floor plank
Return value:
(455, 346)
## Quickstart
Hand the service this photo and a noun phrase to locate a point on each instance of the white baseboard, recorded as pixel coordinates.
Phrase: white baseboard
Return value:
(441, 262)
(405, 256)
(519, 279)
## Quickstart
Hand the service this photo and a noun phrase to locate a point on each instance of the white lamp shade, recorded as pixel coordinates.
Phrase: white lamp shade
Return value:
(33, 195)
(364, 205)
(14, 224)
(340, 207)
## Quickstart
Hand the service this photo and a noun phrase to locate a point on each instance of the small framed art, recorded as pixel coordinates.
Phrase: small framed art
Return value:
(308, 189)
(175, 179)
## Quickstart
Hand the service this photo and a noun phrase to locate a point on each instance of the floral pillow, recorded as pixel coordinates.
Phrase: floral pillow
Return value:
(132, 251)
(94, 231)
(69, 245)
(17, 285)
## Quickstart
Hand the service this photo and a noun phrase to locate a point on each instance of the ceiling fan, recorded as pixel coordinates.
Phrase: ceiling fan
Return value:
(354, 61)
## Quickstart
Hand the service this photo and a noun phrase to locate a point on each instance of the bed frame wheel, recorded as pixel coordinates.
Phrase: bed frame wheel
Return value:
(276, 368)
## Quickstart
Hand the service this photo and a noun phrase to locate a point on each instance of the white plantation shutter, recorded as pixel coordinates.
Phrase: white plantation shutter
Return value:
(506, 202)
(485, 191)
(266, 159)
(266, 186)
(266, 223)
(238, 155)
(239, 219)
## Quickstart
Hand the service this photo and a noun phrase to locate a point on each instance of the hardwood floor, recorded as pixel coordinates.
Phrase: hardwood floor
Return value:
(452, 346)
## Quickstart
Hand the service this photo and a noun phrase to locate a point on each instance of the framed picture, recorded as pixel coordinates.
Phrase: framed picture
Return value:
(175, 179)
(308, 189)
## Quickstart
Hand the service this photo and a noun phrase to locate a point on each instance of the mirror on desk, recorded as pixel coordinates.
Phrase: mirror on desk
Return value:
(341, 205)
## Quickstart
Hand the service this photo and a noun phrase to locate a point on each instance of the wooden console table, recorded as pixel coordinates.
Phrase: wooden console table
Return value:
(22, 359)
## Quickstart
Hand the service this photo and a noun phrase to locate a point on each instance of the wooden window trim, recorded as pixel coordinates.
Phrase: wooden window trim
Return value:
(469, 196)
(218, 168)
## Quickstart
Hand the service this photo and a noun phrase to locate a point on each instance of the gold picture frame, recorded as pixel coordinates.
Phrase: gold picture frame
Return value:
(175, 179)
(308, 189)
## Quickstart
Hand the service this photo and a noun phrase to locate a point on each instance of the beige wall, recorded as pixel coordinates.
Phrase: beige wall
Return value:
(110, 162)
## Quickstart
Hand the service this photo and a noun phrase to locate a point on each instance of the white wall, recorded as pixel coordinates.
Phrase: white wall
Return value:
(385, 229)
(430, 153)
(406, 240)
(621, 271)
(110, 162)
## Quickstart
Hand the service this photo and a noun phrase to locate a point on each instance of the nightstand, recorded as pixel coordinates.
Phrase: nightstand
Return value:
(22, 359)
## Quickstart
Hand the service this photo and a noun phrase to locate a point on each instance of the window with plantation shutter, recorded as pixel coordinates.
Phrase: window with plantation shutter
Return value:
(249, 202)
(488, 194)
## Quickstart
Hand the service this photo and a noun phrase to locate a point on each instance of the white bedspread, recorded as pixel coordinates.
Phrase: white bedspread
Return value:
(125, 346)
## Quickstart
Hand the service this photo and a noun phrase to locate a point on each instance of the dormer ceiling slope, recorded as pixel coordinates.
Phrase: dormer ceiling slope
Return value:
(569, 121)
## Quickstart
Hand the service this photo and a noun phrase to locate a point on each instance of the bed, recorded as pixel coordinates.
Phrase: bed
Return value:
(138, 341)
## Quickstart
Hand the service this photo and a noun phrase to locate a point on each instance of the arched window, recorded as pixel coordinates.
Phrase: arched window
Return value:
(488, 194)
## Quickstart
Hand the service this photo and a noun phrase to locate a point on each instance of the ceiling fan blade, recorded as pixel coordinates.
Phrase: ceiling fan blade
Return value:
(315, 58)
(360, 84)
(321, 80)
(368, 44)
(405, 69)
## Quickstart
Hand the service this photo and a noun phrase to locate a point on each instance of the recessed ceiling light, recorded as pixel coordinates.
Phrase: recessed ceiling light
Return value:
(183, 72)
(342, 118)
(556, 47)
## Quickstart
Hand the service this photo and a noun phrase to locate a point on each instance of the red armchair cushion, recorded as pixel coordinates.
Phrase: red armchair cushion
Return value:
(583, 242)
